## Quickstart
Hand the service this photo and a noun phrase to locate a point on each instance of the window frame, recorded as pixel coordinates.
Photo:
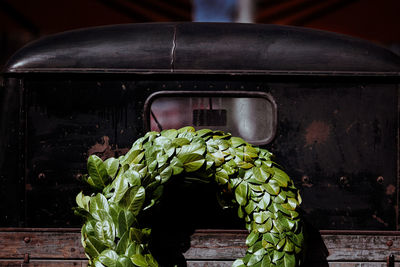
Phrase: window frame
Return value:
(233, 94)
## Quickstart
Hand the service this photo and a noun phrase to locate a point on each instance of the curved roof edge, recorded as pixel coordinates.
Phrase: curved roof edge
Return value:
(203, 48)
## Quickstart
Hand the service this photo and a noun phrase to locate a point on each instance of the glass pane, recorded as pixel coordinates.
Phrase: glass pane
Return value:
(252, 118)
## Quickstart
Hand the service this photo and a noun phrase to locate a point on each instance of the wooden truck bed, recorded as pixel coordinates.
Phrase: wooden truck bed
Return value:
(62, 247)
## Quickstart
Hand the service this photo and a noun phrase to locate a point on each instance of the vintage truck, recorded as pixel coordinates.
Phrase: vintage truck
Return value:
(326, 105)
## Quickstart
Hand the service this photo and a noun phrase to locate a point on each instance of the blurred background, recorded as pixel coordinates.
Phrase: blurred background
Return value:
(22, 21)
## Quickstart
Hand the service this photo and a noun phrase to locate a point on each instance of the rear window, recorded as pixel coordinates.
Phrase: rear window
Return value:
(251, 116)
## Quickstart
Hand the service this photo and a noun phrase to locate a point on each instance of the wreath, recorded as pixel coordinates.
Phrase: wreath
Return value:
(124, 187)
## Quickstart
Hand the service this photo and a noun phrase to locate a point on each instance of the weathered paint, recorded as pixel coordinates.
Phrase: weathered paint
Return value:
(207, 247)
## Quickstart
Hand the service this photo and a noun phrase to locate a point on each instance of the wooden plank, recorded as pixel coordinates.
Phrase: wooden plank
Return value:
(67, 263)
(361, 248)
(343, 247)
(335, 264)
(220, 246)
(48, 245)
(43, 263)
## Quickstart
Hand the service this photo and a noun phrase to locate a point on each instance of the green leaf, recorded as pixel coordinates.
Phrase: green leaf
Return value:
(238, 263)
(255, 258)
(139, 260)
(271, 238)
(237, 141)
(179, 142)
(93, 246)
(125, 221)
(278, 225)
(97, 263)
(151, 262)
(162, 141)
(194, 166)
(97, 171)
(123, 244)
(218, 158)
(252, 238)
(166, 174)
(203, 132)
(121, 186)
(280, 198)
(112, 165)
(260, 174)
(221, 177)
(177, 166)
(134, 199)
(266, 262)
(241, 192)
(124, 261)
(245, 165)
(171, 133)
(133, 156)
(133, 248)
(193, 148)
(241, 213)
(250, 207)
(109, 258)
(260, 217)
(83, 201)
(281, 177)
(169, 151)
(187, 129)
(277, 256)
(97, 204)
(139, 235)
(189, 157)
(272, 188)
(265, 227)
(289, 246)
(292, 203)
(297, 239)
(105, 232)
(289, 260)
(280, 244)
(264, 202)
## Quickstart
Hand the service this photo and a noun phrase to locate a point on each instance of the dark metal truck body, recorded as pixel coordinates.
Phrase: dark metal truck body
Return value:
(326, 105)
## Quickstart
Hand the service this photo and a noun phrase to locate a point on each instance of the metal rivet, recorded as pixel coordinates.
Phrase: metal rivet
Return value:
(27, 239)
(380, 179)
(305, 179)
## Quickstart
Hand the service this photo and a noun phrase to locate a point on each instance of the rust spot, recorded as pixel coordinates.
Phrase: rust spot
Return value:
(317, 133)
(390, 190)
(101, 147)
(104, 150)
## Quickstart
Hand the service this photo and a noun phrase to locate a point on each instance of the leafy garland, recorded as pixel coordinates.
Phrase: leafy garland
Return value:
(267, 198)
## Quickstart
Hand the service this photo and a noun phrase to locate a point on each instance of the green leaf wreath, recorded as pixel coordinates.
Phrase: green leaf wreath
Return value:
(266, 197)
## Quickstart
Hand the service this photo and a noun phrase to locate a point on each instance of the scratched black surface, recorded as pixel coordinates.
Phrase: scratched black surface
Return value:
(335, 139)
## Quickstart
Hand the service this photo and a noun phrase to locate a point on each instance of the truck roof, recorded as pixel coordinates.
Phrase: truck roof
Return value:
(203, 48)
